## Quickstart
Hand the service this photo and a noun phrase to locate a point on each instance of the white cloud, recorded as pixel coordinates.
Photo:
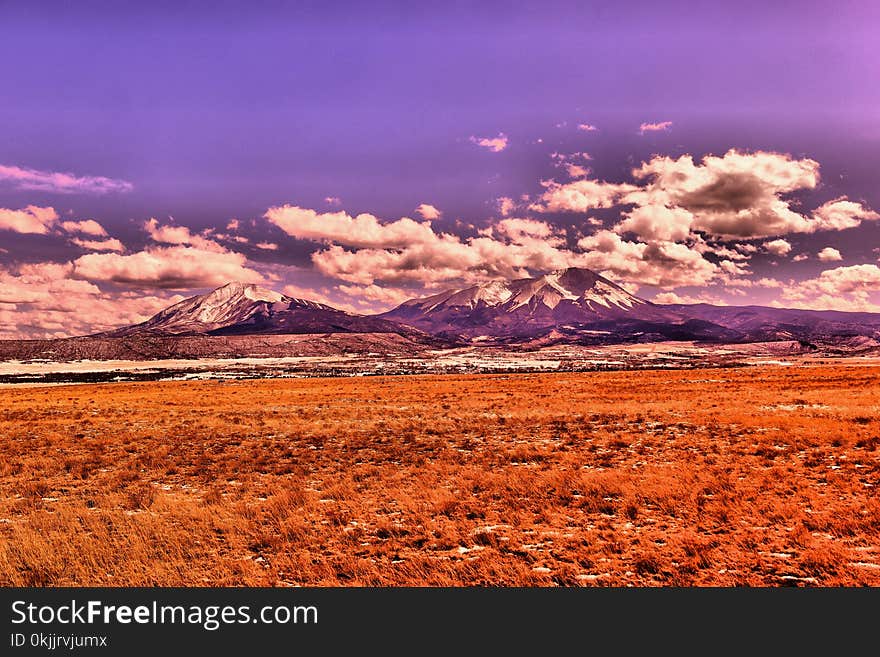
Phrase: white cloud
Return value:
(778, 247)
(660, 126)
(580, 196)
(428, 212)
(50, 304)
(663, 264)
(657, 222)
(844, 288)
(364, 230)
(109, 244)
(180, 235)
(32, 220)
(494, 144)
(841, 214)
(60, 183)
(687, 299)
(86, 227)
(829, 254)
(506, 205)
(174, 267)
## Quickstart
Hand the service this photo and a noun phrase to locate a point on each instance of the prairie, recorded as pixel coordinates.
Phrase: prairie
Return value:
(757, 476)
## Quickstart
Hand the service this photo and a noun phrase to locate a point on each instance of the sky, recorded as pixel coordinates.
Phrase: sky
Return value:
(360, 154)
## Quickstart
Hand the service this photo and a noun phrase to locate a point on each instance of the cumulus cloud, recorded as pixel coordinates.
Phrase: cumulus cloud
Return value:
(660, 263)
(267, 246)
(844, 288)
(829, 254)
(86, 227)
(364, 230)
(428, 212)
(655, 127)
(506, 205)
(841, 214)
(333, 200)
(521, 229)
(657, 222)
(580, 196)
(173, 267)
(109, 244)
(61, 183)
(687, 299)
(494, 144)
(33, 220)
(384, 295)
(778, 247)
(735, 196)
(681, 221)
(587, 127)
(170, 234)
(49, 304)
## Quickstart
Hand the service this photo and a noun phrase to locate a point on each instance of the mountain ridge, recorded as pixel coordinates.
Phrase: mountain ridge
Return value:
(569, 306)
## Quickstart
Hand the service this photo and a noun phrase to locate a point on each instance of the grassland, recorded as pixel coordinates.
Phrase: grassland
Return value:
(753, 476)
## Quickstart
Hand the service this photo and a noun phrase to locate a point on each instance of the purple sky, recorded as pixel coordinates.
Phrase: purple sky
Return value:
(196, 114)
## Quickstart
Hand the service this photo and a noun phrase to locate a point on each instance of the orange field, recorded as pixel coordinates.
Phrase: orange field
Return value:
(763, 476)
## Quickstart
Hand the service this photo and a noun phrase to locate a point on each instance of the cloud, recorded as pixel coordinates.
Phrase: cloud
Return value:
(687, 299)
(32, 220)
(494, 144)
(333, 200)
(267, 246)
(841, 214)
(844, 288)
(364, 230)
(233, 225)
(387, 296)
(735, 195)
(655, 127)
(86, 227)
(829, 254)
(506, 205)
(174, 267)
(446, 258)
(657, 222)
(778, 247)
(519, 230)
(50, 304)
(587, 127)
(109, 244)
(61, 183)
(573, 163)
(580, 196)
(428, 212)
(800, 257)
(181, 235)
(660, 263)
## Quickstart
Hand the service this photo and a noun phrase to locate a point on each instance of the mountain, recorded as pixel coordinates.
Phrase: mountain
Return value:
(580, 306)
(763, 323)
(528, 307)
(239, 309)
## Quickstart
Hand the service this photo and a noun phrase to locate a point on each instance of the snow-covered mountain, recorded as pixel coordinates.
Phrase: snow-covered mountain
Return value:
(570, 305)
(240, 309)
(529, 306)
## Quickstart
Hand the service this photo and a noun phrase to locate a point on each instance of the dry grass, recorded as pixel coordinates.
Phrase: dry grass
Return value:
(760, 476)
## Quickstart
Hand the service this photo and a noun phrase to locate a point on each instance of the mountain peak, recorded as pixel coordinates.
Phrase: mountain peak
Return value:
(237, 289)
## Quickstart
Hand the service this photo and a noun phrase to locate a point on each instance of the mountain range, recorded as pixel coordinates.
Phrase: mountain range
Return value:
(570, 306)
